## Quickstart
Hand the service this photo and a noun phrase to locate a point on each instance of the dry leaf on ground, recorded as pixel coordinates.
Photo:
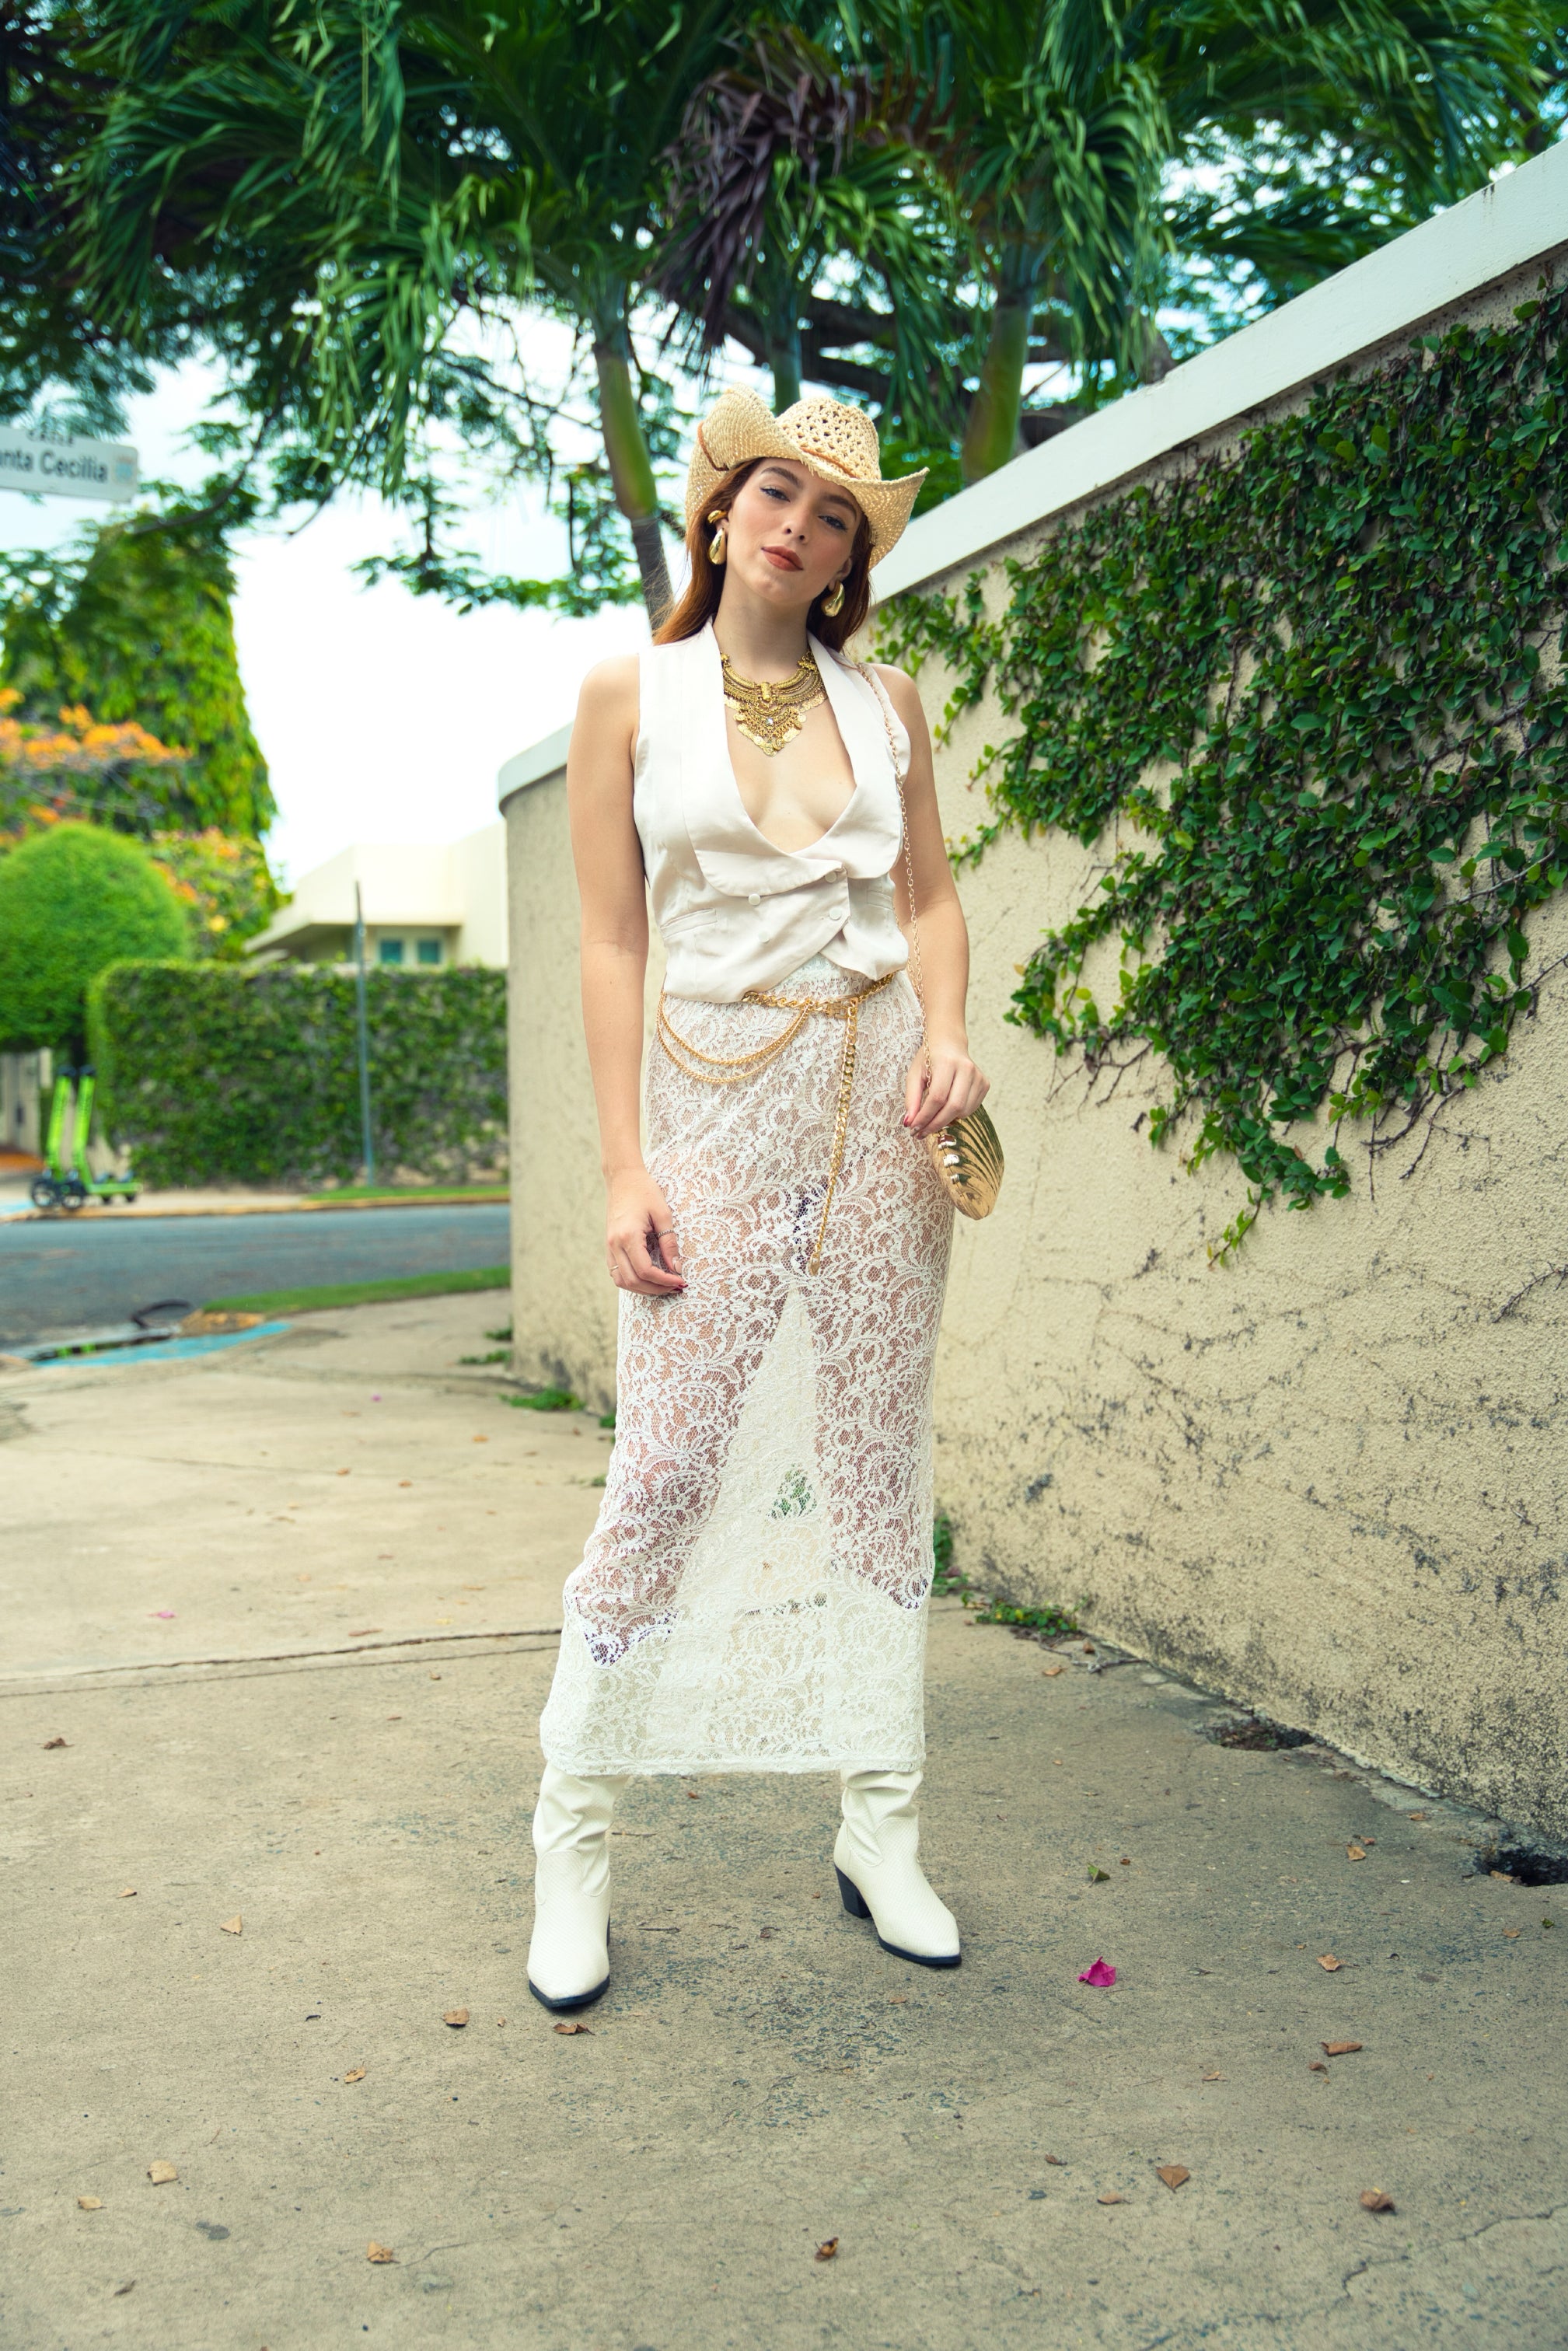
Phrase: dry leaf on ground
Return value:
(235, 1925)
(1339, 2048)
(827, 2249)
(1317, 2066)
(456, 2018)
(1355, 1852)
(574, 2028)
(1172, 2174)
(126, 1892)
(1503, 1876)
(375, 2252)
(1512, 1934)
(1415, 1816)
(1376, 2199)
(1214, 2077)
(357, 2075)
(126, 2287)
(91, 2203)
(1052, 1671)
(1060, 2160)
(161, 2173)
(55, 1743)
(1328, 1961)
(1109, 2197)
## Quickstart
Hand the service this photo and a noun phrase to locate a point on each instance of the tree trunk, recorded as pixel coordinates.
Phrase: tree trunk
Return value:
(631, 468)
(990, 434)
(784, 359)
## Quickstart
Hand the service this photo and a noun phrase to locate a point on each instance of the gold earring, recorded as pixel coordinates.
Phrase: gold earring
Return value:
(720, 540)
(834, 604)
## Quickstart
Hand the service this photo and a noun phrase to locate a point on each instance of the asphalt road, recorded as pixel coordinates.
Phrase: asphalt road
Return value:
(57, 1277)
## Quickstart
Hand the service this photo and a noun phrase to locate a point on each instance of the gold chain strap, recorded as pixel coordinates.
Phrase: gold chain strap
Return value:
(967, 1152)
(916, 972)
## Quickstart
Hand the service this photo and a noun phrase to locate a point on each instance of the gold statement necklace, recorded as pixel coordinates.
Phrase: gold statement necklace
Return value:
(771, 713)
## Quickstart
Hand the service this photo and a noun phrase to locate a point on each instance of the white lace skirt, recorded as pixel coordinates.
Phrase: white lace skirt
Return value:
(753, 1597)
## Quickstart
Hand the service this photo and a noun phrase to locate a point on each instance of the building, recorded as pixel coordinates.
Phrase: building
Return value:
(425, 905)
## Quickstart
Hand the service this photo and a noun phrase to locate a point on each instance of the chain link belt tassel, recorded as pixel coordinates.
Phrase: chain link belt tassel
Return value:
(735, 1069)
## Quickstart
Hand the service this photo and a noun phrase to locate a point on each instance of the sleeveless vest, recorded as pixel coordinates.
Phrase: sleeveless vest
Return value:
(734, 912)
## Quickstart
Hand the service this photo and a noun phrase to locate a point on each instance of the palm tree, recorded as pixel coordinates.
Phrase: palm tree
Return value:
(792, 162)
(341, 187)
(1058, 121)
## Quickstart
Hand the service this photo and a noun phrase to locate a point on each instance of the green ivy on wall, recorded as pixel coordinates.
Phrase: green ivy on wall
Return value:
(214, 1074)
(1321, 686)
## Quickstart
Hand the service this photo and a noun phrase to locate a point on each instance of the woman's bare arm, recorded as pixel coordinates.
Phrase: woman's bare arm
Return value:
(640, 1237)
(955, 1086)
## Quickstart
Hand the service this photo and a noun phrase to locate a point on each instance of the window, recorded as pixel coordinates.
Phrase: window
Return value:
(428, 951)
(388, 951)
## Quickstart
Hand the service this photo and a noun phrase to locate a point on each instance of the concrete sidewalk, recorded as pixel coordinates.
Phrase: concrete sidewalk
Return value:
(983, 2146)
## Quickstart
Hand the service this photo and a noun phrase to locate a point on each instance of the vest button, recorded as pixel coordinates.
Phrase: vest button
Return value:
(755, 899)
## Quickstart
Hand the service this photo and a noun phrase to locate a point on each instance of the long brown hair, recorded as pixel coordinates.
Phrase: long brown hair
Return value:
(700, 600)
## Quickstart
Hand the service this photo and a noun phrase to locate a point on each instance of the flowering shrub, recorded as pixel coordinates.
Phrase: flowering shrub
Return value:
(120, 776)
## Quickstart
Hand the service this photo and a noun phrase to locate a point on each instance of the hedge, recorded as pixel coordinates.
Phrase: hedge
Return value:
(214, 1074)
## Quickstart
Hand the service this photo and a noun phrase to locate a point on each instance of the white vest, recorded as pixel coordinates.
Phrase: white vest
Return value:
(733, 911)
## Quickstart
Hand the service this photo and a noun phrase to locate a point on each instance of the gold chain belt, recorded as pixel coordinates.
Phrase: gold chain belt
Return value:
(734, 1068)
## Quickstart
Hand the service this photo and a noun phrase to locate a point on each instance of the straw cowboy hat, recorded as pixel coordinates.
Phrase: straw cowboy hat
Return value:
(835, 442)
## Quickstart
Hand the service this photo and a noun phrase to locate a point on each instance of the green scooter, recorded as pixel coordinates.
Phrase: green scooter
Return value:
(72, 1187)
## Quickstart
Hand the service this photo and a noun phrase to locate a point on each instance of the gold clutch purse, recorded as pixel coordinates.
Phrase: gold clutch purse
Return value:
(966, 1156)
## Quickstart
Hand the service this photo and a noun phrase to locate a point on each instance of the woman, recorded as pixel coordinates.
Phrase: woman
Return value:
(753, 1595)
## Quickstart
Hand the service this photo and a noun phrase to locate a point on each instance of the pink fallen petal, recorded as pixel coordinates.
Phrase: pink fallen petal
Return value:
(162, 1612)
(1100, 1975)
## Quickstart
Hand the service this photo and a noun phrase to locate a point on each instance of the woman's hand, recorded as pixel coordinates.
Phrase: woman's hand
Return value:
(640, 1237)
(954, 1087)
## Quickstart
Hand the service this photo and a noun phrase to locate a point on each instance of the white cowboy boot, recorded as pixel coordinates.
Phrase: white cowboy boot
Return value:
(879, 1875)
(568, 1954)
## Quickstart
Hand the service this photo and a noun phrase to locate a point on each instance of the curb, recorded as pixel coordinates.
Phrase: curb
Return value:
(95, 1210)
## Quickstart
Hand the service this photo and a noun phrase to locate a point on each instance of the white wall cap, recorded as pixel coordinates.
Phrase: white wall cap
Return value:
(1521, 218)
(532, 767)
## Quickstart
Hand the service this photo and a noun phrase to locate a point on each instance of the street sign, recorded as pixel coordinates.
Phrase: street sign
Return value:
(67, 469)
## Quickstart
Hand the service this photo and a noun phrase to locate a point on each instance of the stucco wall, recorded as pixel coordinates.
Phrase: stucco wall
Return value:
(563, 1301)
(1327, 1477)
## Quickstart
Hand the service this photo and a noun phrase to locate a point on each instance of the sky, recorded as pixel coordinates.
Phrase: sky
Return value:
(382, 715)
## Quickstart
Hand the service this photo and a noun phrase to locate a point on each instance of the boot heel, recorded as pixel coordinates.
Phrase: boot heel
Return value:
(854, 1901)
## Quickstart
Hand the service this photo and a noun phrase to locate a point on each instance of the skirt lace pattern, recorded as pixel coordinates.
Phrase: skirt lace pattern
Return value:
(753, 1596)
